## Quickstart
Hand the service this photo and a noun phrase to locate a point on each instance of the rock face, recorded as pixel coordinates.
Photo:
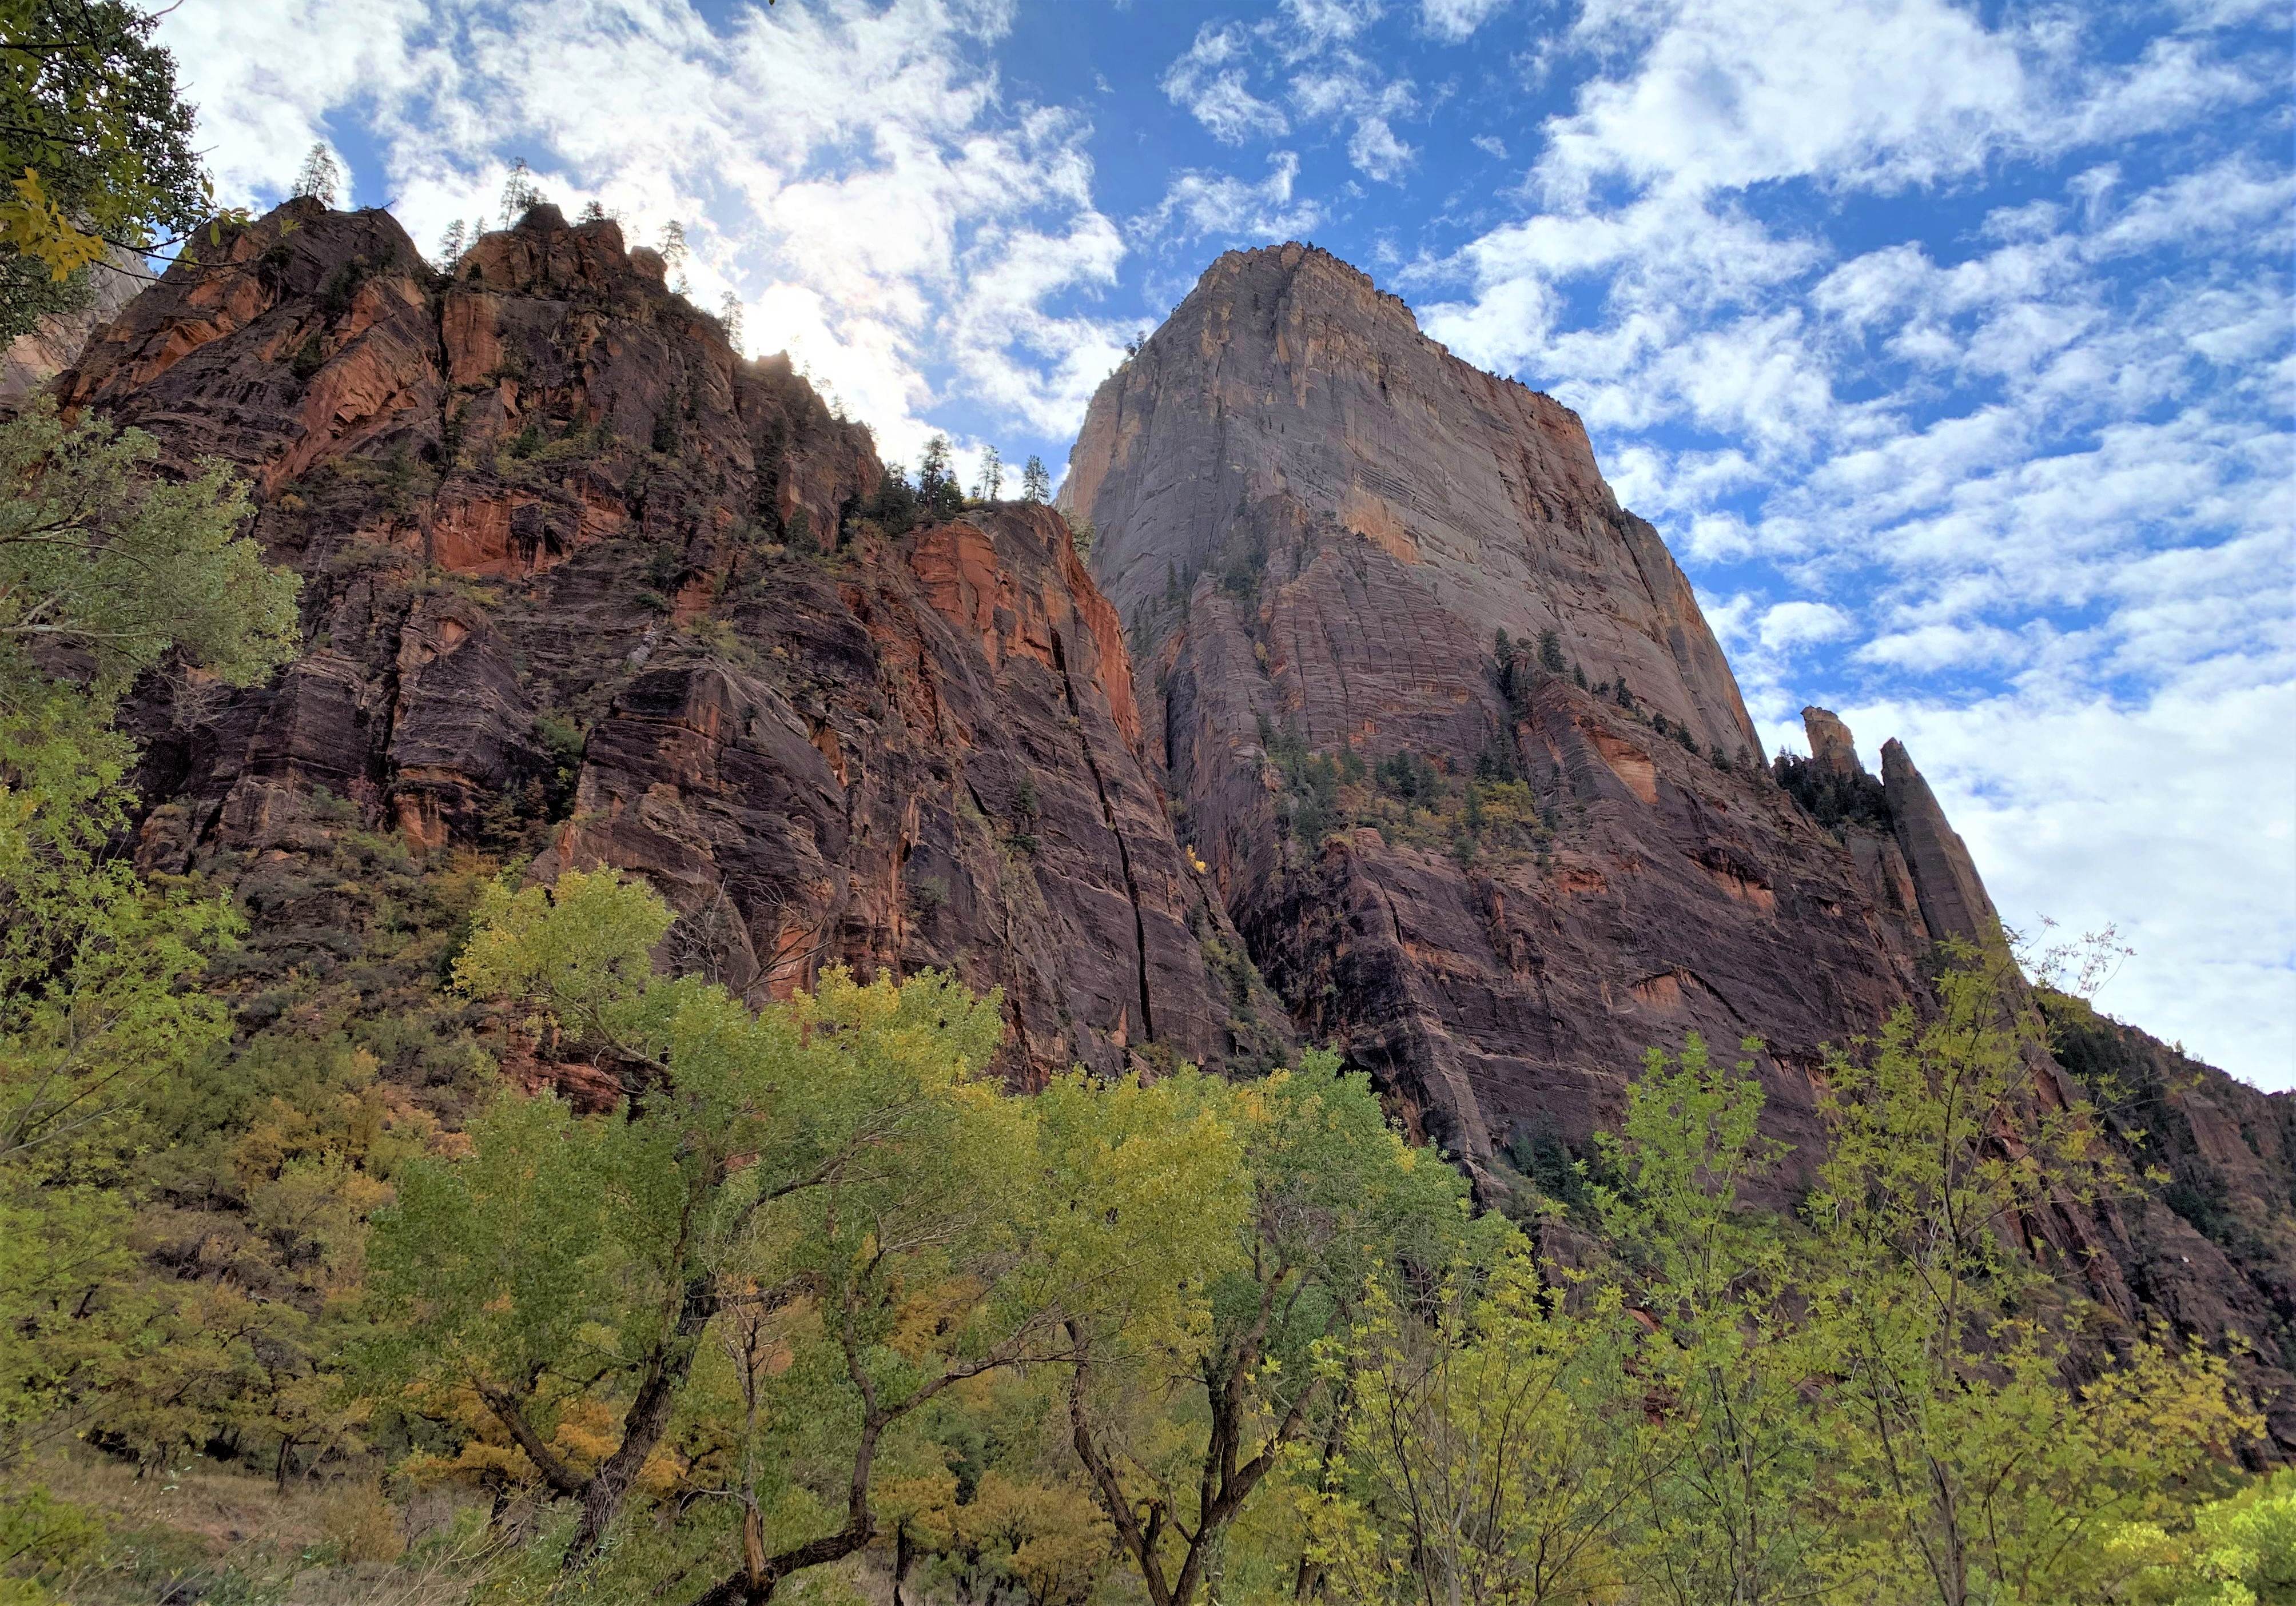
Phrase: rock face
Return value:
(1317, 523)
(55, 343)
(1478, 788)
(580, 582)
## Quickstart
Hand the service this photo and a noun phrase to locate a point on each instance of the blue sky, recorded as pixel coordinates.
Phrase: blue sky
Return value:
(1949, 345)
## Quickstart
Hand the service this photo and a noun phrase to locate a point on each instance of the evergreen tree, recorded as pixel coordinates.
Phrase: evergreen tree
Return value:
(992, 476)
(674, 252)
(321, 176)
(1035, 480)
(729, 314)
(518, 194)
(458, 238)
(1550, 653)
(939, 493)
(594, 210)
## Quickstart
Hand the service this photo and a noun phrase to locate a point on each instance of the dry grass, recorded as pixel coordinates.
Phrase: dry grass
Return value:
(204, 1535)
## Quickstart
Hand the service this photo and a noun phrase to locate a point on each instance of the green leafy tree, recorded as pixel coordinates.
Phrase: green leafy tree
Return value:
(1969, 1461)
(2239, 1551)
(1035, 480)
(1179, 1420)
(1493, 1454)
(831, 1163)
(1727, 1515)
(95, 147)
(105, 572)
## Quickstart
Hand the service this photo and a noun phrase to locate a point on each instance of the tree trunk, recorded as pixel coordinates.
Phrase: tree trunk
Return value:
(644, 1422)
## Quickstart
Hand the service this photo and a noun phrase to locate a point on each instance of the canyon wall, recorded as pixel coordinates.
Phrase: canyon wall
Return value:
(580, 584)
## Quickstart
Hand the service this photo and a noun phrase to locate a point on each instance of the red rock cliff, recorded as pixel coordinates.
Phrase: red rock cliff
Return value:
(579, 581)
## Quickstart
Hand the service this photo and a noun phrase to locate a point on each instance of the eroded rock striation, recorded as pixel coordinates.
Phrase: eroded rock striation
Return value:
(1319, 524)
(580, 582)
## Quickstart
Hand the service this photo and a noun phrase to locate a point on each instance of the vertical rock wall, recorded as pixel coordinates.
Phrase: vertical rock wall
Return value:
(580, 583)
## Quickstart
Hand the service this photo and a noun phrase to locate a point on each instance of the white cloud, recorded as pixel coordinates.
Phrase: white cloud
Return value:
(1791, 624)
(1329, 21)
(1873, 92)
(2170, 817)
(1209, 80)
(1348, 89)
(1454, 20)
(1230, 209)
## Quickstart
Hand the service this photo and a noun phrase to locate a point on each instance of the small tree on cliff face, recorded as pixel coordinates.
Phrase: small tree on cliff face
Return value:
(320, 177)
(991, 483)
(519, 193)
(937, 491)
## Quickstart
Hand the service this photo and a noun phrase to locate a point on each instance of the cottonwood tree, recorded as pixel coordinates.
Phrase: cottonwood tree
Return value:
(106, 572)
(1185, 1395)
(829, 1165)
(1727, 1514)
(95, 142)
(1494, 1449)
(1973, 1463)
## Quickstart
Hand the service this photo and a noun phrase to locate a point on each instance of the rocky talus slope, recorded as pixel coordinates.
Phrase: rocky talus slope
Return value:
(581, 584)
(1497, 869)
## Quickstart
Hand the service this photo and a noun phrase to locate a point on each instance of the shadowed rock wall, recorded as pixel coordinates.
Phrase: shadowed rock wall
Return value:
(581, 583)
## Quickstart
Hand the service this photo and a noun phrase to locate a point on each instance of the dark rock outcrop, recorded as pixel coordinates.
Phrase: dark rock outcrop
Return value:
(580, 582)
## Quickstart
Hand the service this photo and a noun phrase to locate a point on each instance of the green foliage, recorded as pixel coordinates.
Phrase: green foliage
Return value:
(104, 571)
(1410, 776)
(93, 140)
(1829, 799)
(1490, 1455)
(1325, 1204)
(2239, 1551)
(1889, 1400)
(101, 559)
(938, 495)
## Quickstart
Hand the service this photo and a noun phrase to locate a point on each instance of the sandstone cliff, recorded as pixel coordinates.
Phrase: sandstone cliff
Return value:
(579, 582)
(1318, 522)
(1478, 785)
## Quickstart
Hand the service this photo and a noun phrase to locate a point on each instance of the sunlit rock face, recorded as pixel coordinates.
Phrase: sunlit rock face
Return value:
(1496, 874)
(581, 584)
(1317, 521)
